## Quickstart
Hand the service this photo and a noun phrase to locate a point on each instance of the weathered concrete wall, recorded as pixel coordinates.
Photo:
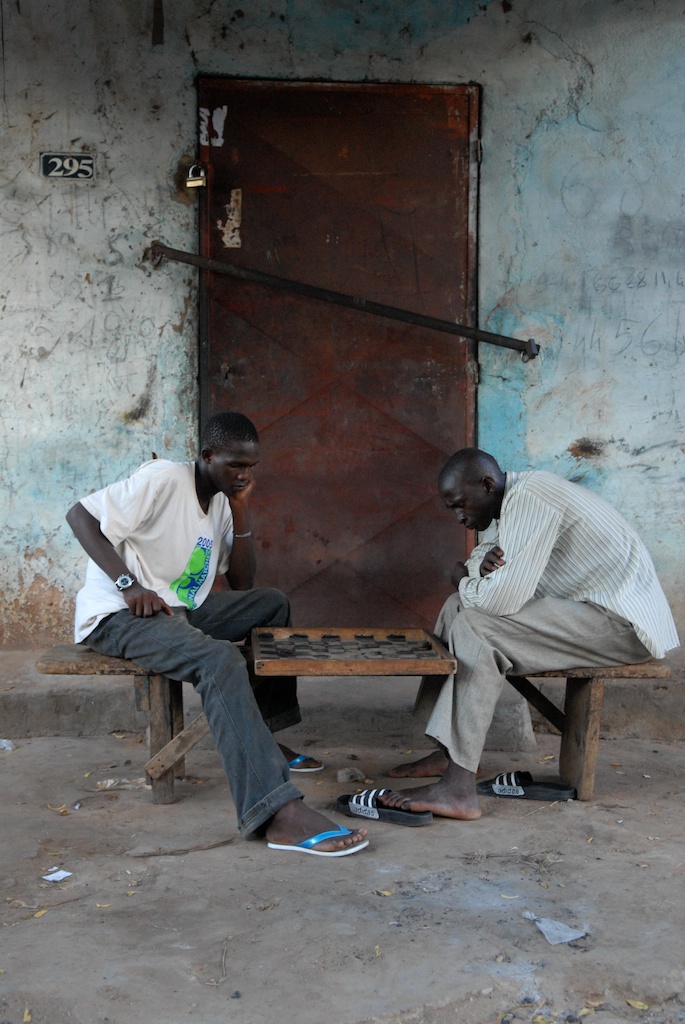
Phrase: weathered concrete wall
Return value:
(582, 241)
(99, 352)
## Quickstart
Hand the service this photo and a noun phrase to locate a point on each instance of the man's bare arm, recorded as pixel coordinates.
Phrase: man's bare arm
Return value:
(243, 564)
(86, 528)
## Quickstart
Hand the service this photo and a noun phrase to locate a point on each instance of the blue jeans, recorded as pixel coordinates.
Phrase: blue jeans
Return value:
(196, 647)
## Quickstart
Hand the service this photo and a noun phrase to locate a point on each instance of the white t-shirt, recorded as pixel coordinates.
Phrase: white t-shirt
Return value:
(156, 524)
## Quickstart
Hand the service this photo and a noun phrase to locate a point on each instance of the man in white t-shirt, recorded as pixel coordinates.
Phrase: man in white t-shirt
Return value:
(156, 542)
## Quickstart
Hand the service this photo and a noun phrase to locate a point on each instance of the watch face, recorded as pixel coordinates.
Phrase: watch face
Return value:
(124, 582)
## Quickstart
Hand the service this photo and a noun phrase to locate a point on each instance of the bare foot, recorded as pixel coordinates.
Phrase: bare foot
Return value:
(310, 764)
(427, 767)
(295, 822)
(454, 796)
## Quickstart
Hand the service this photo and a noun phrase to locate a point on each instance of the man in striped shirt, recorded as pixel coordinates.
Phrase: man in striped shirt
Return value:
(558, 580)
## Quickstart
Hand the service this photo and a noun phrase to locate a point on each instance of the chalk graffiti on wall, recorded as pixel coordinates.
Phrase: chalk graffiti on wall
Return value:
(661, 339)
(628, 312)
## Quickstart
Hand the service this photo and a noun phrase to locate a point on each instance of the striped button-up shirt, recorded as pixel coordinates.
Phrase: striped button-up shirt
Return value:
(561, 540)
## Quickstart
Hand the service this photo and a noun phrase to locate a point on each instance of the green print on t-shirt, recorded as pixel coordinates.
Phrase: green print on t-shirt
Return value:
(194, 574)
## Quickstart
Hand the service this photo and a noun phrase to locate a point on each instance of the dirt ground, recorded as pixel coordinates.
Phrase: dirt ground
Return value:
(169, 916)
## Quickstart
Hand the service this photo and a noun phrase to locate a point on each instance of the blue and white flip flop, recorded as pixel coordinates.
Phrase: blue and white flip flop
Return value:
(299, 760)
(308, 845)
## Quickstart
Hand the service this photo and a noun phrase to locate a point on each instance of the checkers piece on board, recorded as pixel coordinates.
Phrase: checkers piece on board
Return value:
(349, 652)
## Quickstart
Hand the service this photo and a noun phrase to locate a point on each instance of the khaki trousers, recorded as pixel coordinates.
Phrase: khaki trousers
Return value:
(544, 635)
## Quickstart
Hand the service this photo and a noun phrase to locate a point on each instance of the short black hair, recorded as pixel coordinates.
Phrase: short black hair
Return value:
(226, 427)
(469, 464)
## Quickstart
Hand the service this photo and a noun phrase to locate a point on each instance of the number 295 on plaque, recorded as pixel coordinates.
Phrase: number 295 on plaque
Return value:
(76, 166)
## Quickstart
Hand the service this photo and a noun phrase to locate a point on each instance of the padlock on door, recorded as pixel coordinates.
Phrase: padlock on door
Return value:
(196, 177)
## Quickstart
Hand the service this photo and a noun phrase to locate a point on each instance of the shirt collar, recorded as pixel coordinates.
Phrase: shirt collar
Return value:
(509, 484)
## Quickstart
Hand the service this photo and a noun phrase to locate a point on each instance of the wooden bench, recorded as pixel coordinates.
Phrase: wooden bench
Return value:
(161, 697)
(169, 741)
(579, 722)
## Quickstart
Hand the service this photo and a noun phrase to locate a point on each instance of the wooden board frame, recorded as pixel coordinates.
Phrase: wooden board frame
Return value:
(441, 664)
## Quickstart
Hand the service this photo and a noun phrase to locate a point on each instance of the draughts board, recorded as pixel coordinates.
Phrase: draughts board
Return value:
(349, 652)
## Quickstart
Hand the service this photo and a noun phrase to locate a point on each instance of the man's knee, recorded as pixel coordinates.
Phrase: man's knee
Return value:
(448, 613)
(470, 622)
(275, 607)
(456, 621)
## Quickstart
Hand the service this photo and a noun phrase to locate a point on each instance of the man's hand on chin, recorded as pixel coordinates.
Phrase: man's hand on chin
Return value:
(241, 497)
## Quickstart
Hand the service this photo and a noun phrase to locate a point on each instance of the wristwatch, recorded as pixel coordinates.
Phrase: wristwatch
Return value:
(125, 581)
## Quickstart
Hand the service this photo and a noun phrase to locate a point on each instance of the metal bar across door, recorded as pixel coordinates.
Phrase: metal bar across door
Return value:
(158, 252)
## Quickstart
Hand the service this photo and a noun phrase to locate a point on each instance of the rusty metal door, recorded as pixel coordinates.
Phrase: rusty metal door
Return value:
(371, 191)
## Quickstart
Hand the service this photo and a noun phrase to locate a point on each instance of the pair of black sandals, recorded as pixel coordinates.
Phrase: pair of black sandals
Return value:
(518, 785)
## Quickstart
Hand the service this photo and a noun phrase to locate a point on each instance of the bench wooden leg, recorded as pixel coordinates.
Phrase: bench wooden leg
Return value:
(427, 695)
(580, 734)
(538, 700)
(176, 699)
(173, 753)
(162, 710)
